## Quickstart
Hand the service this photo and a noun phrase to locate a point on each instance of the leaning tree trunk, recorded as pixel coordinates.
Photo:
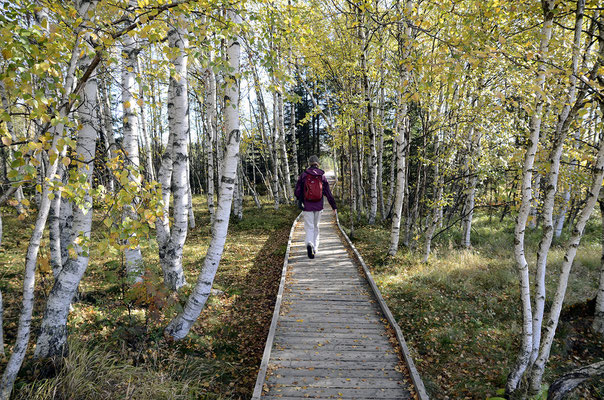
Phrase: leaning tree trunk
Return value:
(171, 243)
(132, 254)
(598, 324)
(180, 326)
(24, 328)
(52, 340)
(562, 386)
(559, 224)
(524, 356)
(551, 185)
(570, 253)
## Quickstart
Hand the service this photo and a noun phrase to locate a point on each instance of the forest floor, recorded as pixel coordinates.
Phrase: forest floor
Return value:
(460, 312)
(116, 342)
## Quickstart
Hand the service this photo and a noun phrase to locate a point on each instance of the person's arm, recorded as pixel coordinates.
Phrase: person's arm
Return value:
(298, 190)
(328, 194)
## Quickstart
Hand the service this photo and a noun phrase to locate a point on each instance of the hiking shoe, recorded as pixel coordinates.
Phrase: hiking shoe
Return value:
(310, 251)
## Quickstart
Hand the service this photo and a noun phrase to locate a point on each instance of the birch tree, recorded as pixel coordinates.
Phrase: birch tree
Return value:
(173, 173)
(180, 326)
(524, 356)
(131, 108)
(24, 326)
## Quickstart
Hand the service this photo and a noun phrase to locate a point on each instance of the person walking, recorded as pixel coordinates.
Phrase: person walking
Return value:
(310, 189)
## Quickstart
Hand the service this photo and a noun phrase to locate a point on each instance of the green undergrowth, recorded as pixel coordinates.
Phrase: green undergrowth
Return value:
(461, 314)
(117, 348)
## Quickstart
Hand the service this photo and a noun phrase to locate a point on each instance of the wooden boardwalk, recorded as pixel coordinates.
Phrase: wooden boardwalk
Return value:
(330, 338)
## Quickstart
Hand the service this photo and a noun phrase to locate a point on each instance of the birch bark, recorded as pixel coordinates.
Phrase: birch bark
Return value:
(397, 208)
(180, 326)
(551, 186)
(468, 209)
(52, 340)
(570, 253)
(171, 241)
(524, 356)
(283, 148)
(132, 255)
(144, 134)
(24, 328)
(372, 159)
(210, 106)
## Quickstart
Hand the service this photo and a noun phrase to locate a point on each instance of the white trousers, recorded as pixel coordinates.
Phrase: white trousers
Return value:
(311, 227)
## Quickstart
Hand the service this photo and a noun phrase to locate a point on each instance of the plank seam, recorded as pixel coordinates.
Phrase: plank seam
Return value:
(415, 377)
(271, 333)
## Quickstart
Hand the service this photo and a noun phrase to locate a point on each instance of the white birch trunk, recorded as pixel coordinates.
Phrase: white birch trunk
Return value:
(180, 326)
(380, 161)
(25, 318)
(551, 186)
(171, 242)
(397, 208)
(9, 126)
(66, 227)
(275, 156)
(52, 340)
(108, 125)
(598, 324)
(210, 109)
(562, 213)
(190, 197)
(146, 141)
(54, 229)
(437, 207)
(570, 253)
(132, 255)
(468, 210)
(524, 356)
(372, 159)
(292, 130)
(289, 191)
(24, 329)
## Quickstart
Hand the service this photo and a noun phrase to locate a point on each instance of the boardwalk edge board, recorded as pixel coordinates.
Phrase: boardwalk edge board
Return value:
(271, 333)
(417, 380)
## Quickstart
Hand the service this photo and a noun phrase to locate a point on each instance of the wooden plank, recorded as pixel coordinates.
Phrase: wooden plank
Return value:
(330, 340)
(372, 393)
(271, 333)
(330, 355)
(340, 373)
(335, 346)
(332, 335)
(336, 365)
(415, 377)
(336, 382)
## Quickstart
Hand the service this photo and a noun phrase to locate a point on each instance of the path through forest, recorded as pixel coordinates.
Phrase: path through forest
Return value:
(330, 340)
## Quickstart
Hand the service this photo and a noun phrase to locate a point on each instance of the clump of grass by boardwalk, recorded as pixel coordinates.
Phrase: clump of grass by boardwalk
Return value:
(461, 311)
(116, 342)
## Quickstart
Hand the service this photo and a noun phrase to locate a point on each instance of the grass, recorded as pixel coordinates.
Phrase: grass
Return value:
(460, 312)
(116, 341)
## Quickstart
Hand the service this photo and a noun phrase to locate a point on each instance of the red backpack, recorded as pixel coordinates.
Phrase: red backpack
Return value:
(313, 188)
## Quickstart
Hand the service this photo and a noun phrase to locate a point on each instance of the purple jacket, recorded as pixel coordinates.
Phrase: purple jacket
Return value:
(314, 205)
